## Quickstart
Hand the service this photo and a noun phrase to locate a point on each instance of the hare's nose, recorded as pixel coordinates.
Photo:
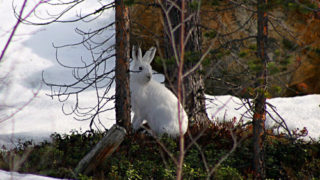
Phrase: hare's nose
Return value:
(149, 76)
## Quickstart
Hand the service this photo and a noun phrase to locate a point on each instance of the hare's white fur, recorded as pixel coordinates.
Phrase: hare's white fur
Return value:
(152, 101)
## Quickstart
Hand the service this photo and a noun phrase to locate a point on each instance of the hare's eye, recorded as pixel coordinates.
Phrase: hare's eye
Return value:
(140, 68)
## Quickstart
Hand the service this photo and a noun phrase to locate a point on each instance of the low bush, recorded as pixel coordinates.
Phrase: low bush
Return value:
(141, 157)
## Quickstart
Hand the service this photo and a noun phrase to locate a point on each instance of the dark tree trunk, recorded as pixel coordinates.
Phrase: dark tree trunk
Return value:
(259, 116)
(193, 84)
(122, 101)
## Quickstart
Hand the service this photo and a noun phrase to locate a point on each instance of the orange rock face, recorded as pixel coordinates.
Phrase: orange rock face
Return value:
(147, 30)
(306, 79)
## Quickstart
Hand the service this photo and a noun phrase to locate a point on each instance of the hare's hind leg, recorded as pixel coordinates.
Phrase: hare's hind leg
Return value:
(136, 122)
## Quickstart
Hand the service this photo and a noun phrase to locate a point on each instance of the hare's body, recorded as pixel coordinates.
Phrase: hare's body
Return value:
(153, 102)
(159, 107)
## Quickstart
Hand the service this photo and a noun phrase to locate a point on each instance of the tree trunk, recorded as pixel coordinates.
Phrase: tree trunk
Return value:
(259, 116)
(122, 101)
(193, 84)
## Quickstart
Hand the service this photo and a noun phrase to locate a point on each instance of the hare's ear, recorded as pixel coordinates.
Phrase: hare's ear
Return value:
(139, 54)
(134, 53)
(149, 55)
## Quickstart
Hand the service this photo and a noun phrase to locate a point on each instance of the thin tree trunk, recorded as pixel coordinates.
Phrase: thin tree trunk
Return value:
(183, 36)
(259, 116)
(179, 84)
(122, 102)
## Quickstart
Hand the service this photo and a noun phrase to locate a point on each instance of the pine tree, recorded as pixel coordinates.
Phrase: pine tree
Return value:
(122, 96)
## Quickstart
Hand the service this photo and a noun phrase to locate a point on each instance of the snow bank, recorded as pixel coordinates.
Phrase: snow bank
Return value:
(4, 175)
(298, 112)
(31, 53)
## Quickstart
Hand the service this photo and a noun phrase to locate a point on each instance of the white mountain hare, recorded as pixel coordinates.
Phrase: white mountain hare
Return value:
(152, 101)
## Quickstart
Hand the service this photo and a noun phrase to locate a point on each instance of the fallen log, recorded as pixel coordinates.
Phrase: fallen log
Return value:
(103, 149)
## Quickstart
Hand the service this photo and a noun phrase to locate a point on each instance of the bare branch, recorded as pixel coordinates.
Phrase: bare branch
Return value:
(19, 19)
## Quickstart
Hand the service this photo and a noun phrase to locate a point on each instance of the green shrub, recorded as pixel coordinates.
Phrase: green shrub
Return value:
(141, 157)
(227, 173)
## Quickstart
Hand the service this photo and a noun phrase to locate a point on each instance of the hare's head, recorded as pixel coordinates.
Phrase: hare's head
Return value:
(142, 71)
